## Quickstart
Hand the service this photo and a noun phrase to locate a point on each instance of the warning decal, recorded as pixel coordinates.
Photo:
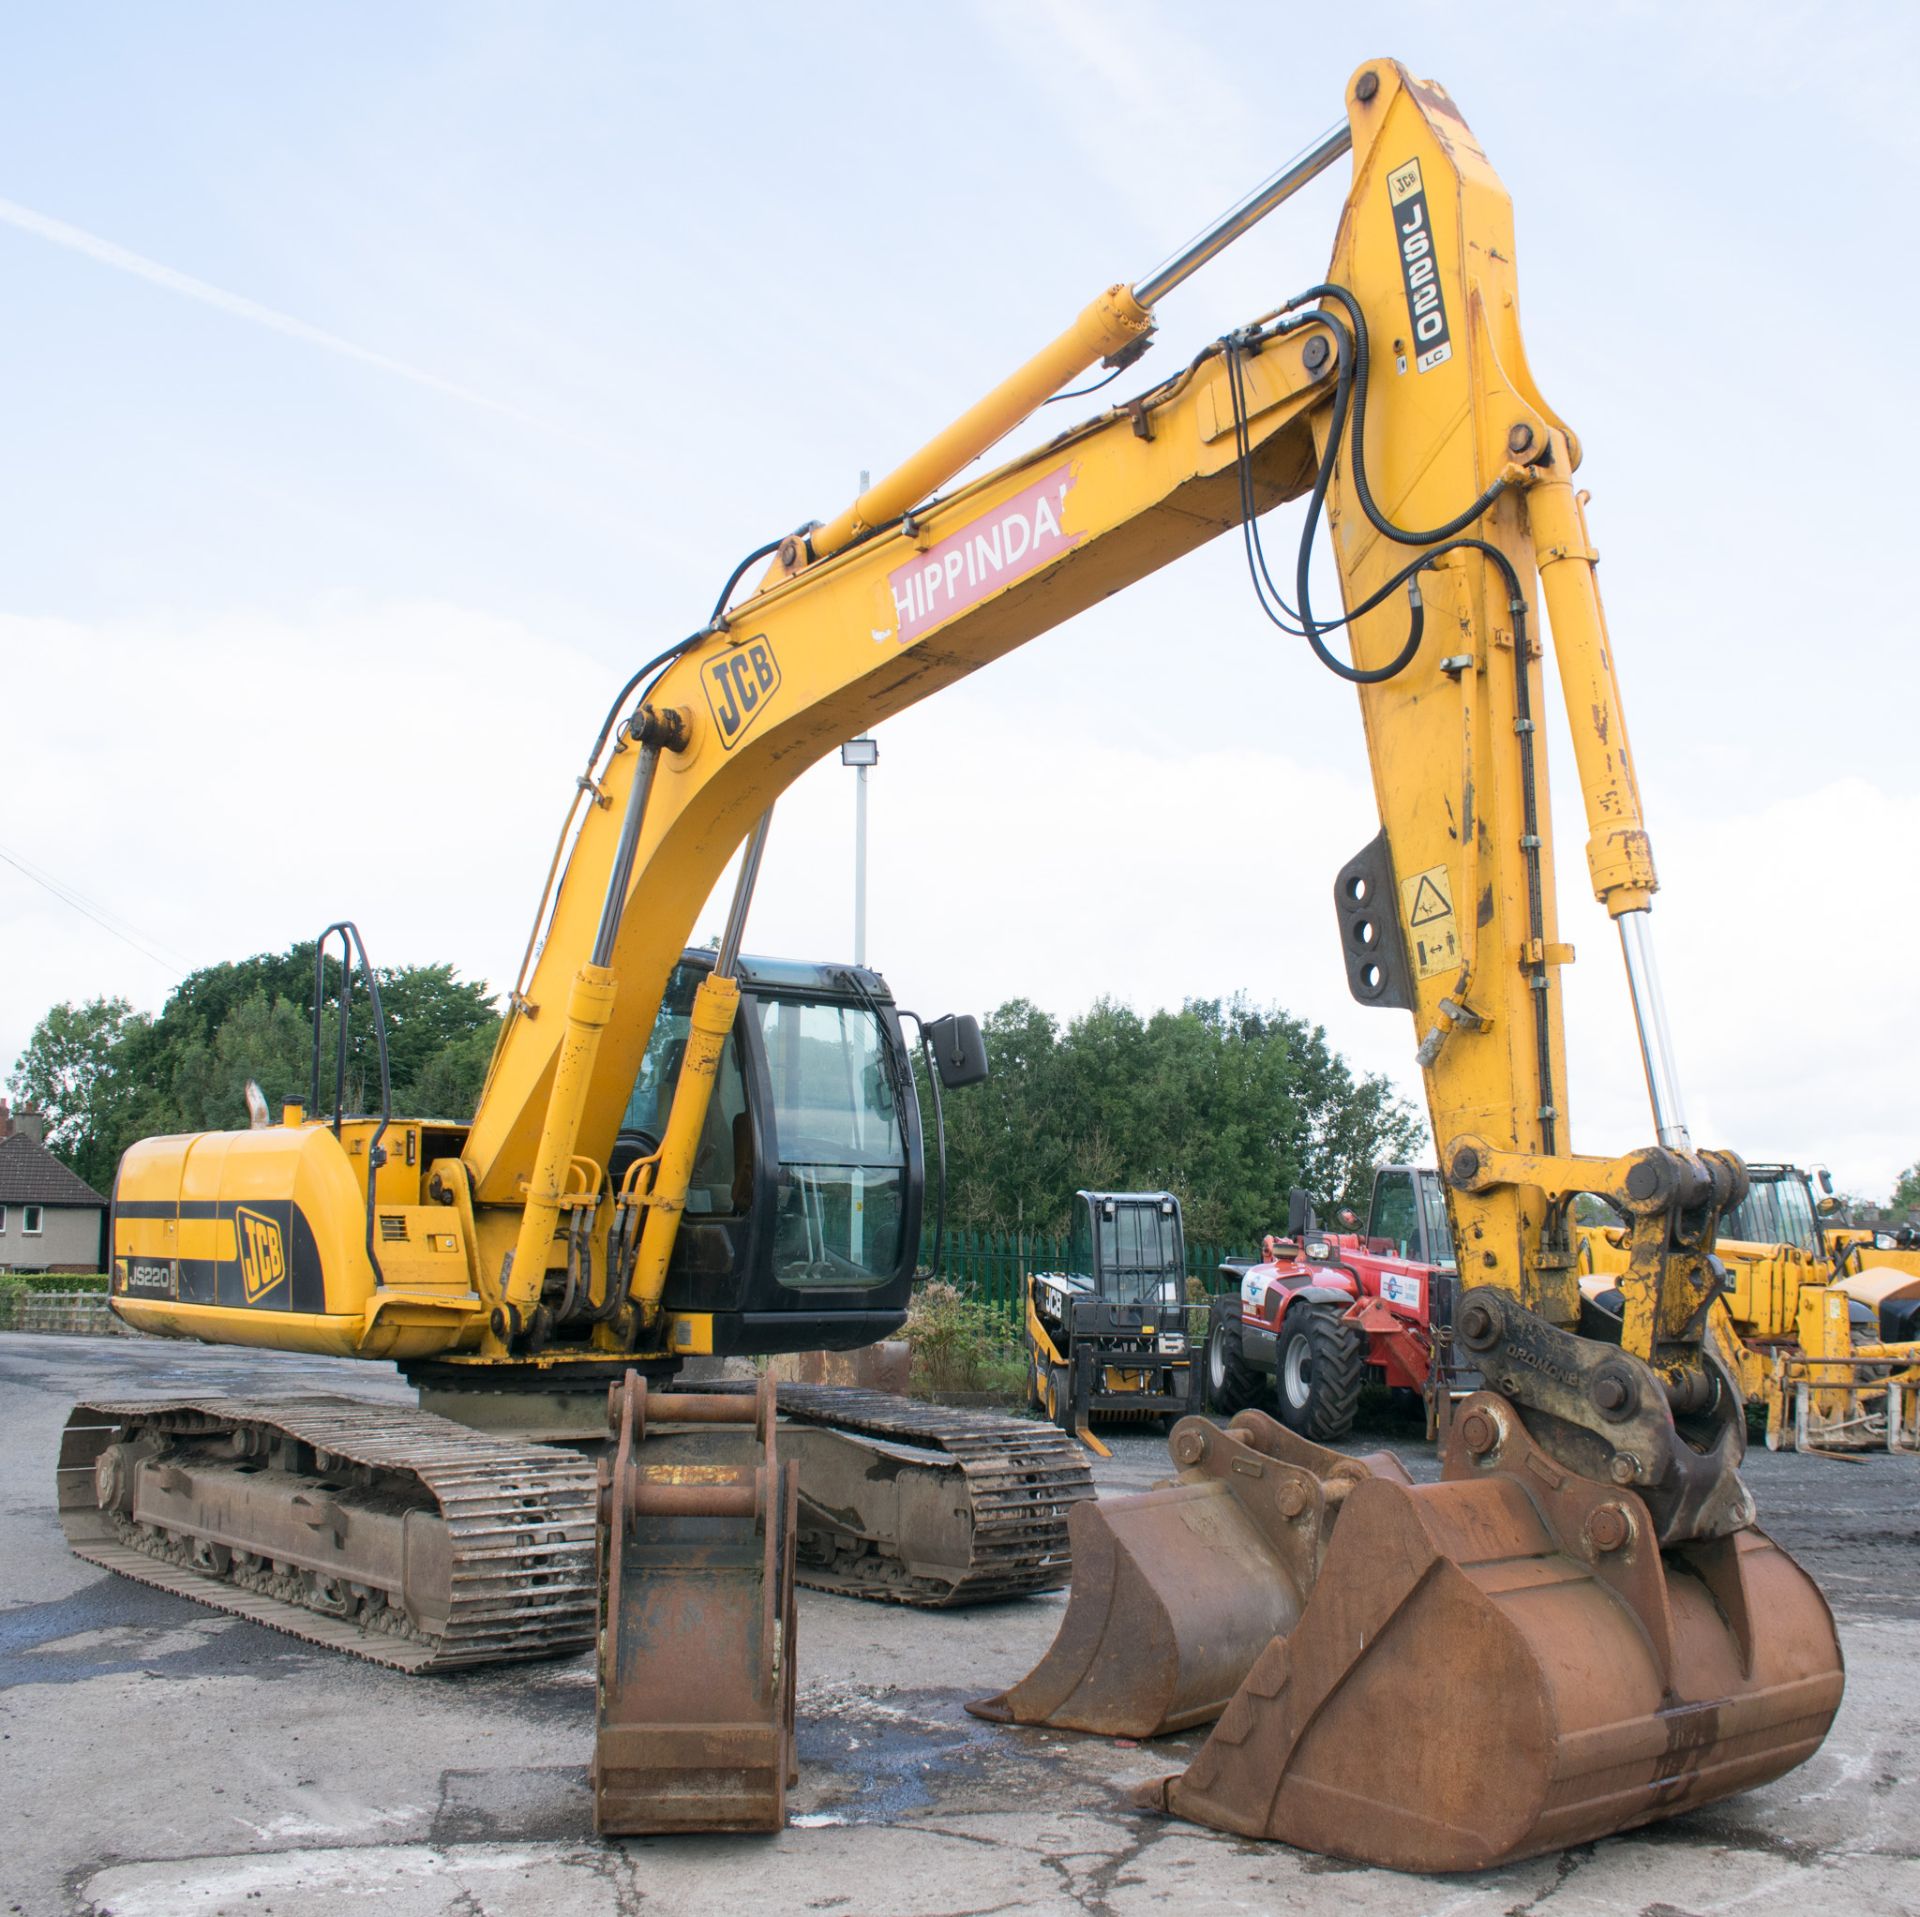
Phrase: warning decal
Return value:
(1427, 900)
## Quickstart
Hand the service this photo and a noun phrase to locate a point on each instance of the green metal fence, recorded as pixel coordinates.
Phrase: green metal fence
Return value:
(989, 1265)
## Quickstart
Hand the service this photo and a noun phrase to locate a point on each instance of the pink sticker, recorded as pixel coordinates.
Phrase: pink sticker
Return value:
(1017, 537)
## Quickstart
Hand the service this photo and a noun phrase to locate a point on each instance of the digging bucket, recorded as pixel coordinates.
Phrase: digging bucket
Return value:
(1505, 1663)
(694, 1708)
(1177, 1590)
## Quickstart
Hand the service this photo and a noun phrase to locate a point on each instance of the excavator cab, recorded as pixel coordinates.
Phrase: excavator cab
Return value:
(806, 1192)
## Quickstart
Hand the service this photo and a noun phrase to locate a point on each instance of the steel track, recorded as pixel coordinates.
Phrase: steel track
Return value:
(520, 1518)
(1022, 1480)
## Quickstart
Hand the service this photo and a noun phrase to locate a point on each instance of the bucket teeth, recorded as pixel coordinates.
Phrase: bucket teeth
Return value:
(1505, 1663)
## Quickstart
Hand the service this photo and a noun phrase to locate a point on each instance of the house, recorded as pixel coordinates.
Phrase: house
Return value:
(51, 1219)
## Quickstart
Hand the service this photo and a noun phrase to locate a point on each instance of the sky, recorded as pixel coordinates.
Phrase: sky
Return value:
(385, 383)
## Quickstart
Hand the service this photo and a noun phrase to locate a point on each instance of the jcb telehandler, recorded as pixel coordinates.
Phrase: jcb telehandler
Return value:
(1578, 1629)
(1820, 1329)
(1107, 1337)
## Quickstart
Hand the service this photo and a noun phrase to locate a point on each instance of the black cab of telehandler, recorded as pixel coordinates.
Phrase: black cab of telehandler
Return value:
(1107, 1338)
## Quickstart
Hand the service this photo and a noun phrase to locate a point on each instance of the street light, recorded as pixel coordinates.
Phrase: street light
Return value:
(860, 754)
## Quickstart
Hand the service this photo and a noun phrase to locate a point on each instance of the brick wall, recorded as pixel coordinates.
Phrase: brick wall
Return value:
(75, 1313)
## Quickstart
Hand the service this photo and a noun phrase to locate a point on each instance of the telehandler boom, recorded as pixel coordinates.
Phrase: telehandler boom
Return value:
(1580, 1628)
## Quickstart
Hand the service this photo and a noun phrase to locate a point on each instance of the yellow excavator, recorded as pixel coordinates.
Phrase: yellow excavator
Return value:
(1820, 1329)
(1578, 1629)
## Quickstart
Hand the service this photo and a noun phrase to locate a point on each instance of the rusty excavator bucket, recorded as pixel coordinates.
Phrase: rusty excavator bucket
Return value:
(1176, 1591)
(694, 1714)
(1505, 1663)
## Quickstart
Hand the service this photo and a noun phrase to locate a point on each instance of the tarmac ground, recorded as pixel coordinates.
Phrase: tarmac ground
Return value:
(157, 1758)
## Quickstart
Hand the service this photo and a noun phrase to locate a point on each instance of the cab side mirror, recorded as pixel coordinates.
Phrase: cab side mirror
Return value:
(959, 1051)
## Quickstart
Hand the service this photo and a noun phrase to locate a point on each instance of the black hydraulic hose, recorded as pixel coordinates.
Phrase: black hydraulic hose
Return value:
(735, 576)
(1361, 359)
(673, 652)
(1417, 620)
(1307, 626)
(1350, 396)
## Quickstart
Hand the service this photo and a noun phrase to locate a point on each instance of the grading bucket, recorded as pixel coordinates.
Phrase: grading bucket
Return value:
(1177, 1590)
(1506, 1663)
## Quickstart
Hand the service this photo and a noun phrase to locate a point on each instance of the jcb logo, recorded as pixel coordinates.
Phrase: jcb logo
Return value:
(263, 1256)
(738, 686)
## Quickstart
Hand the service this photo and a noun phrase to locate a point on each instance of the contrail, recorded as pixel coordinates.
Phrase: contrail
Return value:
(77, 240)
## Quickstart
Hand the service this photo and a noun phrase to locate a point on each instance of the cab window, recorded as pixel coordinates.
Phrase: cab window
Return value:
(1775, 1211)
(1139, 1254)
(1080, 1243)
(1797, 1223)
(841, 1206)
(1394, 1217)
(1433, 1211)
(715, 1188)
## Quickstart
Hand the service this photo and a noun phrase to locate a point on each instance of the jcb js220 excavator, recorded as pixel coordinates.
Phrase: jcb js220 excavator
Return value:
(1579, 1628)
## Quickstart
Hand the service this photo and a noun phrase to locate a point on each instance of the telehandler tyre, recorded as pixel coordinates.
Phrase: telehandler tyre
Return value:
(1321, 1366)
(1232, 1384)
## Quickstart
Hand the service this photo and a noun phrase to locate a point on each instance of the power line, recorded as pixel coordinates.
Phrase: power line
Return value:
(77, 902)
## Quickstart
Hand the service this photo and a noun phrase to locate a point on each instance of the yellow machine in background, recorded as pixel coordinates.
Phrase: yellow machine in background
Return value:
(1579, 1629)
(1106, 1339)
(1822, 1332)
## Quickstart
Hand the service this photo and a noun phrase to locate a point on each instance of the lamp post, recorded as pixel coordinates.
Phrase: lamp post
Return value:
(860, 754)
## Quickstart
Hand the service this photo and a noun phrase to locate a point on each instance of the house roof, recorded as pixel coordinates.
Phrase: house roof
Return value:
(31, 1175)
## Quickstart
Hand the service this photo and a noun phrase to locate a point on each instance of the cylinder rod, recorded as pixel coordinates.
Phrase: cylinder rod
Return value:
(1109, 326)
(621, 873)
(1249, 212)
(1112, 326)
(736, 928)
(1656, 1043)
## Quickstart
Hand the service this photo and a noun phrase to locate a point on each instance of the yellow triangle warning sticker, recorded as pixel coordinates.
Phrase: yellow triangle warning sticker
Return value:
(1427, 900)
(1430, 900)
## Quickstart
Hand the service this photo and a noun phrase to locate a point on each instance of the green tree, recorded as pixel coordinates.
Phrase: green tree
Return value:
(1906, 1190)
(107, 1076)
(268, 1042)
(448, 1085)
(430, 1013)
(74, 1070)
(1224, 1102)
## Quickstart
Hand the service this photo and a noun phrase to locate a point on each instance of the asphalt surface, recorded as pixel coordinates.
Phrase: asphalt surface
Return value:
(158, 1758)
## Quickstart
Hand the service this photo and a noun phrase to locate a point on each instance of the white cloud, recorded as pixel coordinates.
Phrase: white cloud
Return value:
(227, 788)
(123, 259)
